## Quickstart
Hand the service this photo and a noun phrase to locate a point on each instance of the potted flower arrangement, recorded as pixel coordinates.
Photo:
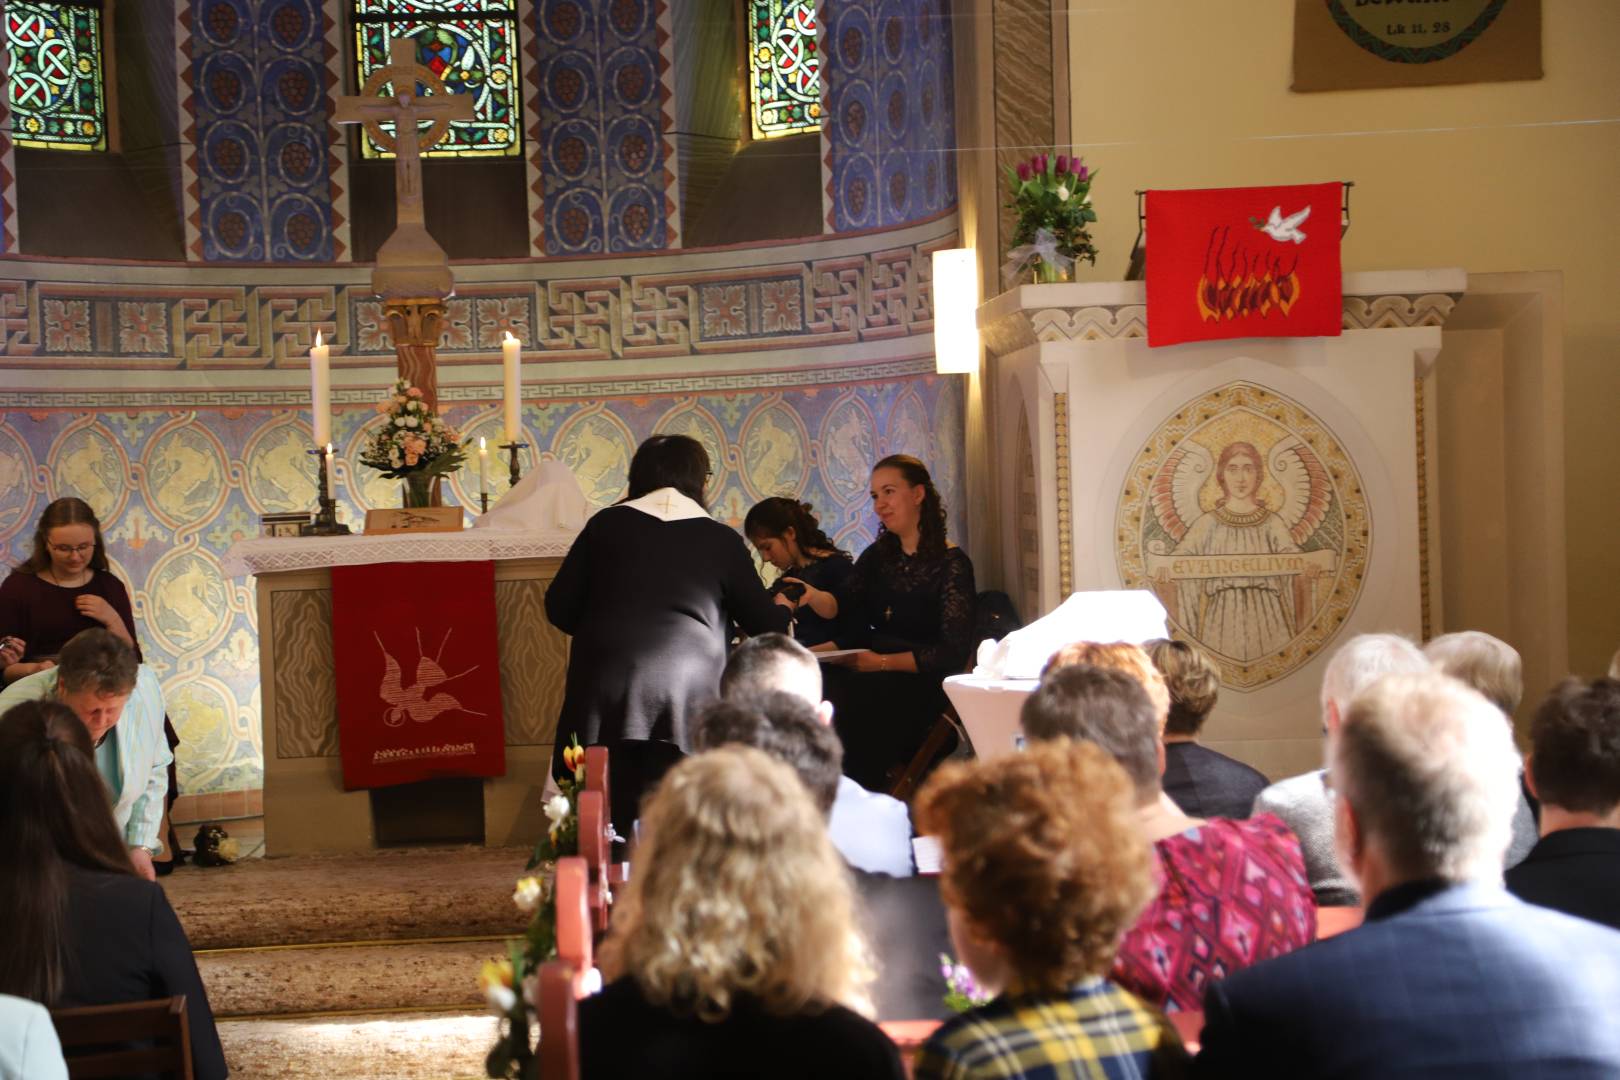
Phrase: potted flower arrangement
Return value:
(414, 444)
(509, 985)
(1051, 194)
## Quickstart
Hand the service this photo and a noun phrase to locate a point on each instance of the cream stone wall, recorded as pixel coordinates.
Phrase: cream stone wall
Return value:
(1496, 177)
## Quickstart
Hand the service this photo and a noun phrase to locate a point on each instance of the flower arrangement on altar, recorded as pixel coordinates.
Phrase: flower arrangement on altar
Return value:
(510, 985)
(962, 990)
(414, 444)
(1051, 196)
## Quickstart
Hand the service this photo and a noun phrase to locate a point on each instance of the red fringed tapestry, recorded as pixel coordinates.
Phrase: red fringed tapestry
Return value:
(1243, 262)
(418, 672)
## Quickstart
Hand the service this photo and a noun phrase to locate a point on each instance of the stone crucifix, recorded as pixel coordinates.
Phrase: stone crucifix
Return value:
(412, 275)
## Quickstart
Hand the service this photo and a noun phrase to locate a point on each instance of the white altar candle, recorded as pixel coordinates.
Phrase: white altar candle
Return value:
(483, 466)
(512, 364)
(320, 377)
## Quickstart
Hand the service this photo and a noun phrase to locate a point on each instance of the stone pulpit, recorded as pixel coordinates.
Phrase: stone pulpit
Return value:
(1274, 493)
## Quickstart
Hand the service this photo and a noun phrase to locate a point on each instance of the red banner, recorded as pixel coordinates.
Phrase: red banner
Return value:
(418, 672)
(1243, 262)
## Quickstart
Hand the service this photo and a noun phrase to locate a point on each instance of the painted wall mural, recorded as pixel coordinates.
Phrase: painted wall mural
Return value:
(1247, 517)
(604, 98)
(176, 487)
(890, 130)
(261, 181)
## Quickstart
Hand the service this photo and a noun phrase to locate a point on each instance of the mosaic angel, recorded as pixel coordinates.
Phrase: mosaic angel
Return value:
(1240, 616)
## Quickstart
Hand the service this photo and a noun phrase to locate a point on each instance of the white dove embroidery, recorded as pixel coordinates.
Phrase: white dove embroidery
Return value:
(1283, 229)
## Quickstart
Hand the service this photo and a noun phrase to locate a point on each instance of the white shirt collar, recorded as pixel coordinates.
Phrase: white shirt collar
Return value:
(667, 504)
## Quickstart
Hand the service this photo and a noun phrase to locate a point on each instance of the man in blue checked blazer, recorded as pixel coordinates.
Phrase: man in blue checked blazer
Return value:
(121, 704)
(1449, 976)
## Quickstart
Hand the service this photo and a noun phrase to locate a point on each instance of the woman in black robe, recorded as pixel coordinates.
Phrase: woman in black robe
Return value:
(814, 571)
(912, 594)
(648, 591)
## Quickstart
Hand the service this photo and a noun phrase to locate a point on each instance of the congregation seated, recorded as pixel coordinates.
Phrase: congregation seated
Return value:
(734, 950)
(904, 920)
(1449, 975)
(1201, 781)
(1304, 802)
(82, 928)
(1044, 868)
(871, 830)
(119, 702)
(1574, 770)
(1213, 873)
(29, 1048)
(911, 617)
(1494, 669)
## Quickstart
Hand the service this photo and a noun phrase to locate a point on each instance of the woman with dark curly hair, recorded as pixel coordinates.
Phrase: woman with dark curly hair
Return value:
(1044, 869)
(815, 573)
(912, 598)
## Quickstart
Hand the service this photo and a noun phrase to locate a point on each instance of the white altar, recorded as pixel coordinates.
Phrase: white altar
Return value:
(1272, 492)
(306, 810)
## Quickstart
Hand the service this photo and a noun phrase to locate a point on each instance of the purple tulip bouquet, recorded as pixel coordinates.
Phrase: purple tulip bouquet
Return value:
(1051, 194)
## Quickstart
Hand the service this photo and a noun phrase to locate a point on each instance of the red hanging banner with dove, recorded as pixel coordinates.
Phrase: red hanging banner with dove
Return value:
(418, 672)
(1244, 262)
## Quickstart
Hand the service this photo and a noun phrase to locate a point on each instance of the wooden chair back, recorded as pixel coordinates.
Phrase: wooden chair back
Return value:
(595, 849)
(87, 1033)
(559, 1021)
(596, 775)
(574, 939)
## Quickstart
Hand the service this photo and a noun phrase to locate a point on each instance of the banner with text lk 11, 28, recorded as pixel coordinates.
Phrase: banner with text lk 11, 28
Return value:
(1243, 262)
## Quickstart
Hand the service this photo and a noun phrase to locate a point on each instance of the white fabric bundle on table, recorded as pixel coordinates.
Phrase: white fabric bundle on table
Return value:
(548, 500)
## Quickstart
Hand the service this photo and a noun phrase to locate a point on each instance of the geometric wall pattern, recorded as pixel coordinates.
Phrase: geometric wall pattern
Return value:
(603, 92)
(830, 301)
(260, 175)
(888, 136)
(175, 487)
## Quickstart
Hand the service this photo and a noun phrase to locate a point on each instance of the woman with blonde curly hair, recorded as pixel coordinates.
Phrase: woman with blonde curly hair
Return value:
(1044, 870)
(734, 950)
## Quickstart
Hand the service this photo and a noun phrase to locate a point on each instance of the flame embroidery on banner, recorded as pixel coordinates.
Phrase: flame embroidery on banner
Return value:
(415, 701)
(1237, 282)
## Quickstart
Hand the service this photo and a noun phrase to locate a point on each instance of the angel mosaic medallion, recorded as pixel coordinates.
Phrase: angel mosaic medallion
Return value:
(1246, 517)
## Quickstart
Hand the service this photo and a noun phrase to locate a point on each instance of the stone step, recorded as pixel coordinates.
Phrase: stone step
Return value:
(346, 978)
(373, 1046)
(378, 896)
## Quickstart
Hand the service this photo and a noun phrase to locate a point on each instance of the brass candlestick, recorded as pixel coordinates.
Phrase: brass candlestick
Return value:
(512, 449)
(325, 522)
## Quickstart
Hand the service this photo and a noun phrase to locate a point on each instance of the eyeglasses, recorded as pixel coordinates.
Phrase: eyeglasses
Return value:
(77, 549)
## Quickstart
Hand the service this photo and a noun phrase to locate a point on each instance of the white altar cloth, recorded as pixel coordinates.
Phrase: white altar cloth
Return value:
(268, 555)
(989, 710)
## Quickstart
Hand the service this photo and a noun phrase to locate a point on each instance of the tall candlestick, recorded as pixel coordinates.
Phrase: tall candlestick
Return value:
(320, 377)
(483, 466)
(511, 370)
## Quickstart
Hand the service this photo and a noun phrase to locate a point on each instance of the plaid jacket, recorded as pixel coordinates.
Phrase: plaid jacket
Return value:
(143, 751)
(1096, 1032)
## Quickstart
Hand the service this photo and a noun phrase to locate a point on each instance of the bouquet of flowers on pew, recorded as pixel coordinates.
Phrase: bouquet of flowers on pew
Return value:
(414, 444)
(509, 985)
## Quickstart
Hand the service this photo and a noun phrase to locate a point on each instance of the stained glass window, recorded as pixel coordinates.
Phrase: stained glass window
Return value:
(784, 86)
(470, 44)
(56, 91)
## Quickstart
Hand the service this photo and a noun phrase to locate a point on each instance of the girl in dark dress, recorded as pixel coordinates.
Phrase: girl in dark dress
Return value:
(912, 596)
(81, 928)
(63, 588)
(649, 590)
(814, 572)
(67, 586)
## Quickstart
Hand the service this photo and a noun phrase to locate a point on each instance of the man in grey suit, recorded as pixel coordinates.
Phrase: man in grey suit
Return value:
(1449, 975)
(1303, 801)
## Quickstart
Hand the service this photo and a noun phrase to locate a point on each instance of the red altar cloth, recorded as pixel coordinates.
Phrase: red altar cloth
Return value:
(418, 672)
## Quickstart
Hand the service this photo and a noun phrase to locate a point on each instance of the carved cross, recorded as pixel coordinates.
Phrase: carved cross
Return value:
(406, 109)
